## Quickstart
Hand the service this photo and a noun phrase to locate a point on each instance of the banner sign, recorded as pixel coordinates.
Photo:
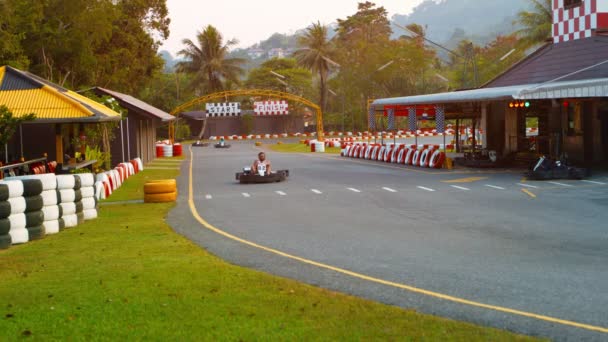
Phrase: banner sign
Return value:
(271, 108)
(223, 109)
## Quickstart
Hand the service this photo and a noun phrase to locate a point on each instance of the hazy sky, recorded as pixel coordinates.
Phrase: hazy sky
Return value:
(251, 21)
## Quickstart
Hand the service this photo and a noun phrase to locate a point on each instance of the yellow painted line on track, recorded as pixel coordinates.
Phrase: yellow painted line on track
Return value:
(406, 287)
(528, 192)
(465, 180)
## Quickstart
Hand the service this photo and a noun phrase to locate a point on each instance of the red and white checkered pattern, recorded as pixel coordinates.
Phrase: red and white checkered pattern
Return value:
(580, 21)
(270, 108)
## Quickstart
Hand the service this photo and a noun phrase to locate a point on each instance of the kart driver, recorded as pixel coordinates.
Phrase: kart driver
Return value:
(261, 166)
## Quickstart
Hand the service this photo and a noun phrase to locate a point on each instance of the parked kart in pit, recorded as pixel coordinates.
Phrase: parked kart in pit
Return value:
(547, 169)
(248, 177)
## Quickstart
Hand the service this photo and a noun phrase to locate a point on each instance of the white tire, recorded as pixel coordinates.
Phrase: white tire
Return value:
(90, 214)
(87, 192)
(70, 220)
(89, 203)
(67, 196)
(49, 197)
(17, 221)
(48, 180)
(15, 188)
(140, 163)
(86, 179)
(65, 182)
(68, 209)
(51, 227)
(18, 205)
(102, 177)
(100, 191)
(51, 212)
(19, 235)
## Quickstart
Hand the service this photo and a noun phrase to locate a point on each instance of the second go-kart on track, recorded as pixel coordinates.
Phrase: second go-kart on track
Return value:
(484, 247)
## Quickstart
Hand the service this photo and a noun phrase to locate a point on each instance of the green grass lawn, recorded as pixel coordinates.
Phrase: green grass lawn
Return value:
(133, 188)
(300, 148)
(127, 276)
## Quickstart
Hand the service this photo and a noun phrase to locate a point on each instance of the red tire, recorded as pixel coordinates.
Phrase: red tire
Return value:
(416, 158)
(409, 156)
(401, 155)
(437, 159)
(375, 152)
(425, 157)
(381, 153)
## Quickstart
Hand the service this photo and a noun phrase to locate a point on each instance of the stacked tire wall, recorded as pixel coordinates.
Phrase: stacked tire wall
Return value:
(88, 199)
(67, 197)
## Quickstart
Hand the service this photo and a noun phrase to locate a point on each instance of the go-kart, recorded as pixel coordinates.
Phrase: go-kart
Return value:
(247, 176)
(547, 169)
(222, 145)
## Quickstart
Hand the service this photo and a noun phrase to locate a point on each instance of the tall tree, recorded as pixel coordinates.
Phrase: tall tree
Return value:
(536, 23)
(296, 80)
(207, 60)
(314, 52)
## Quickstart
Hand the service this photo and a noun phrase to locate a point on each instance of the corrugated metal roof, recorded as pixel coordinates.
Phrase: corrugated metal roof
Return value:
(566, 89)
(50, 102)
(137, 104)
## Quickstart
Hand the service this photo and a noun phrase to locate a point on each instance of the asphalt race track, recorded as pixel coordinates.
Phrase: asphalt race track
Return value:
(476, 237)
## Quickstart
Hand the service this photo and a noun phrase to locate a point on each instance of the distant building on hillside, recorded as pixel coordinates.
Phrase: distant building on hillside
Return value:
(276, 53)
(255, 53)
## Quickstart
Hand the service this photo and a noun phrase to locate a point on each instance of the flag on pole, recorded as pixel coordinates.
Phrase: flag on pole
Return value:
(440, 119)
(412, 119)
(372, 118)
(391, 119)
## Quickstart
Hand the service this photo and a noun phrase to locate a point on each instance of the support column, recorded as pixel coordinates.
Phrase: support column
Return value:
(484, 125)
(58, 144)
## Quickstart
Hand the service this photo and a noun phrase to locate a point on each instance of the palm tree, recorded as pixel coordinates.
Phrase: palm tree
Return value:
(208, 62)
(313, 55)
(537, 23)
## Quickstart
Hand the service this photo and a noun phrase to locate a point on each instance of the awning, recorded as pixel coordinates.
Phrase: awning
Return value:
(566, 89)
(554, 90)
(137, 105)
(25, 93)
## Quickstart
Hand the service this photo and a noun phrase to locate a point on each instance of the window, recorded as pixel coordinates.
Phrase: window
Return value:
(572, 3)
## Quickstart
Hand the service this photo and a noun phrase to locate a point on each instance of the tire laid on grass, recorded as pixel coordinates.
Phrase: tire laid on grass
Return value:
(5, 241)
(3, 192)
(35, 233)
(67, 209)
(80, 218)
(18, 205)
(19, 235)
(70, 221)
(90, 214)
(14, 187)
(79, 207)
(51, 212)
(86, 179)
(5, 226)
(65, 182)
(31, 187)
(5, 209)
(89, 203)
(160, 198)
(160, 187)
(33, 203)
(49, 197)
(88, 191)
(51, 227)
(34, 219)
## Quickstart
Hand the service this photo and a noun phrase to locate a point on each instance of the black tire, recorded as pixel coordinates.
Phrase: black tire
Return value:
(77, 183)
(35, 233)
(3, 192)
(78, 196)
(5, 241)
(61, 224)
(80, 217)
(60, 211)
(79, 207)
(34, 219)
(5, 226)
(5, 209)
(34, 203)
(31, 187)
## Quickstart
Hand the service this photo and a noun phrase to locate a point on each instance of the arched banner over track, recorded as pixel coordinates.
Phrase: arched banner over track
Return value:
(250, 92)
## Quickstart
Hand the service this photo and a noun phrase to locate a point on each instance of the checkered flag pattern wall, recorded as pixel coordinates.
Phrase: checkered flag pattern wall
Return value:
(440, 119)
(412, 120)
(371, 119)
(391, 119)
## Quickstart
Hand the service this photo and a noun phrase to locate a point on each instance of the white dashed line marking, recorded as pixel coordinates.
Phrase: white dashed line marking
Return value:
(354, 190)
(593, 182)
(426, 189)
(460, 188)
(495, 187)
(527, 186)
(389, 189)
(246, 195)
(208, 197)
(281, 193)
(316, 191)
(560, 184)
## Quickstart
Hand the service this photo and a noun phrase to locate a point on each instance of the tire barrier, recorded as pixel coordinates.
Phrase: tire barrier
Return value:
(426, 156)
(160, 191)
(32, 190)
(437, 159)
